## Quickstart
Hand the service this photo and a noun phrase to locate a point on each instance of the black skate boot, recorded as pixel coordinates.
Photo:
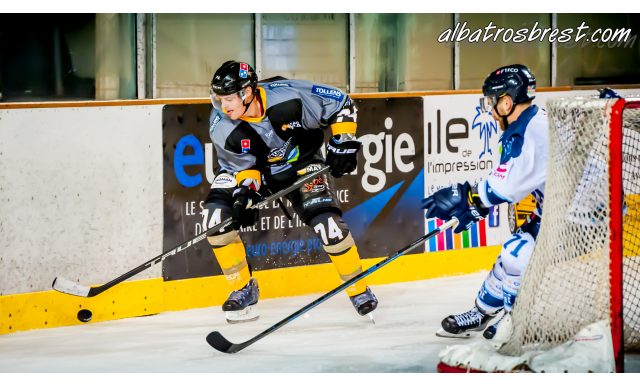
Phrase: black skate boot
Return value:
(463, 325)
(365, 302)
(240, 305)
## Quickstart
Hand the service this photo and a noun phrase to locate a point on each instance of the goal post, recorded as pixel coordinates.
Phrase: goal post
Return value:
(578, 308)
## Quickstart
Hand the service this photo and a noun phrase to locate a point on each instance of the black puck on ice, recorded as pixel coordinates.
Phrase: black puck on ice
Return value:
(84, 315)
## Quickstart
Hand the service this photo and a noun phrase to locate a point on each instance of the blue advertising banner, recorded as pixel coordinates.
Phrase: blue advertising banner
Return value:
(380, 200)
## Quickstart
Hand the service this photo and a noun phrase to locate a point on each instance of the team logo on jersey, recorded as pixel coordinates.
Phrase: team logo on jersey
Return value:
(290, 155)
(315, 185)
(245, 145)
(244, 70)
(501, 171)
(291, 125)
(327, 92)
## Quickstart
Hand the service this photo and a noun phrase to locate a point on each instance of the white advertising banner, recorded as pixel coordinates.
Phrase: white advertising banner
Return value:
(462, 144)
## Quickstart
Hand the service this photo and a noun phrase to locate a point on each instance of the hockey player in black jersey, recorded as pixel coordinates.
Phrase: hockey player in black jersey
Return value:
(270, 134)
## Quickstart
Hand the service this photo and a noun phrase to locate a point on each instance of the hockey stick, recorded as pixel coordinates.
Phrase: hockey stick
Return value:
(72, 288)
(217, 341)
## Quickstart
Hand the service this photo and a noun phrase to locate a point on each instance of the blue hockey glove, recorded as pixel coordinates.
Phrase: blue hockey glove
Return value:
(608, 93)
(455, 201)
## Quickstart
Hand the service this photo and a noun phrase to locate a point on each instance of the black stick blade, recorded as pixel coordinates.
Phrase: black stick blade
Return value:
(218, 342)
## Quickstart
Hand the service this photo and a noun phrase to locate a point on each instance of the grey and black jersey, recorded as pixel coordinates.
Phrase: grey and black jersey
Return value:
(295, 114)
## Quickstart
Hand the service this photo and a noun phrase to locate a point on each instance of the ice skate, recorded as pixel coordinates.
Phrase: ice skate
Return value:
(490, 331)
(464, 325)
(240, 306)
(365, 302)
(500, 331)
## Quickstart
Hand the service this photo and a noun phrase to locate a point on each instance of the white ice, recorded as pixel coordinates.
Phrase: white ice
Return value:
(332, 338)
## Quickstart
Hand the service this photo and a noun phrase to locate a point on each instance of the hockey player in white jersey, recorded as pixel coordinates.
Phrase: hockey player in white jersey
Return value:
(508, 94)
(267, 135)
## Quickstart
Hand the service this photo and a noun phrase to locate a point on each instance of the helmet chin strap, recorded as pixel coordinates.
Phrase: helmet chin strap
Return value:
(505, 123)
(243, 95)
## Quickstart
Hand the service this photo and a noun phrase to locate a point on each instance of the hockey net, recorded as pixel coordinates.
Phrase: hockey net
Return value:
(578, 308)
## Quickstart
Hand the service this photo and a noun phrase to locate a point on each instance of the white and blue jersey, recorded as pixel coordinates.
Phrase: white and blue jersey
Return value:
(523, 162)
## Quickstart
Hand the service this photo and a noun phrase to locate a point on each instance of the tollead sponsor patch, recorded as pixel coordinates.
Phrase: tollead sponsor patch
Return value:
(327, 92)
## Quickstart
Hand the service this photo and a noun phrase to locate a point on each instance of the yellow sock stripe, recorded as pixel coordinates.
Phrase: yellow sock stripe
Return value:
(221, 240)
(342, 246)
(349, 265)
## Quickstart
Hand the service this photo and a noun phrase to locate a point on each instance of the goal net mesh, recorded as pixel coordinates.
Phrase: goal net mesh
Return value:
(567, 283)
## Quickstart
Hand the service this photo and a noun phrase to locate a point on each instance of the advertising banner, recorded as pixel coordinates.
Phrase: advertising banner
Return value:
(384, 212)
(461, 144)
(380, 200)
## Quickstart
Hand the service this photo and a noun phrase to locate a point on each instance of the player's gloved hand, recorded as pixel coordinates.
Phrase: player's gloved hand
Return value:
(608, 93)
(342, 155)
(454, 201)
(243, 198)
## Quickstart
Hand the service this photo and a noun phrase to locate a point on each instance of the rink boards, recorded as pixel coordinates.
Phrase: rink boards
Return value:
(89, 190)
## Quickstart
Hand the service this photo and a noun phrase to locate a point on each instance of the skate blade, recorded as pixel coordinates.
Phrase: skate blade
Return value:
(445, 334)
(370, 316)
(249, 314)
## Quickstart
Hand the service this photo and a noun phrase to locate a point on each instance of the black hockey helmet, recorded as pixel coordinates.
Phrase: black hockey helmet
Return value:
(232, 77)
(516, 81)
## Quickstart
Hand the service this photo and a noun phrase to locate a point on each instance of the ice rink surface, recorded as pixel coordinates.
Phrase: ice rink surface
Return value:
(332, 338)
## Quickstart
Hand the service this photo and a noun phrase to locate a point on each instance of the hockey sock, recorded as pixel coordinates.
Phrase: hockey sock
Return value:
(510, 290)
(490, 297)
(233, 261)
(348, 265)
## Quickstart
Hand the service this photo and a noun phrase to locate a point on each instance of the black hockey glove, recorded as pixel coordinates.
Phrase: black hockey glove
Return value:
(455, 201)
(243, 198)
(342, 156)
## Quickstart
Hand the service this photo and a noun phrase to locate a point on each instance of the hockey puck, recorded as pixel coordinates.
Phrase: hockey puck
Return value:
(84, 315)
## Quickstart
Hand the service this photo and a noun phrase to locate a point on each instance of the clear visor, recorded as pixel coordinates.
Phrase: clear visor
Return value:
(487, 103)
(216, 100)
